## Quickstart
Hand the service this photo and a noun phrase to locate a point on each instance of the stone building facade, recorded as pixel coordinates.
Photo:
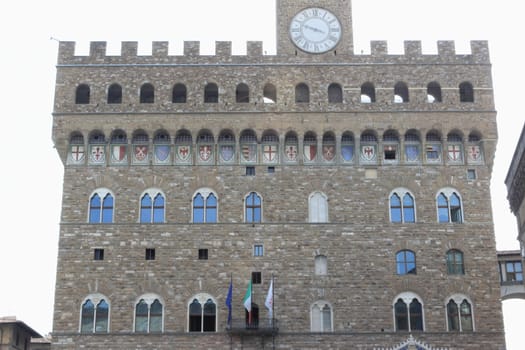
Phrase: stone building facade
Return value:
(357, 184)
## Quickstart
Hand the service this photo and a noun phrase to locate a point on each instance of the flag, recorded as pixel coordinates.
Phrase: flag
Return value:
(269, 301)
(247, 301)
(229, 302)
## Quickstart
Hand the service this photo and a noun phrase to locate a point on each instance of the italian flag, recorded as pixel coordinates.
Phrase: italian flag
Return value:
(247, 301)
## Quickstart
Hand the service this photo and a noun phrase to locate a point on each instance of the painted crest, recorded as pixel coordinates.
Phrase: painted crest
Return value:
(270, 153)
(227, 152)
(433, 152)
(205, 153)
(98, 154)
(291, 152)
(329, 153)
(412, 153)
(368, 153)
(141, 153)
(118, 153)
(454, 152)
(77, 153)
(249, 152)
(183, 153)
(474, 153)
(347, 152)
(162, 153)
(310, 151)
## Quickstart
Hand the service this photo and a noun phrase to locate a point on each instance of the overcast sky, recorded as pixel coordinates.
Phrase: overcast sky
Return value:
(32, 172)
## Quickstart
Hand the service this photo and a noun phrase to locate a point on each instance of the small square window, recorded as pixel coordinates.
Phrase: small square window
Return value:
(256, 277)
(471, 174)
(258, 250)
(271, 169)
(99, 254)
(150, 253)
(250, 171)
(203, 254)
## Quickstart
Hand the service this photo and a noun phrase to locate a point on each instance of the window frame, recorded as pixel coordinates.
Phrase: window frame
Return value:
(149, 299)
(458, 300)
(202, 299)
(322, 210)
(452, 210)
(253, 208)
(153, 193)
(321, 305)
(401, 193)
(405, 262)
(102, 193)
(96, 299)
(453, 266)
(205, 193)
(408, 298)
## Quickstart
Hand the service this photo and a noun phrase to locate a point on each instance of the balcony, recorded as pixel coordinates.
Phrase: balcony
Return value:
(264, 327)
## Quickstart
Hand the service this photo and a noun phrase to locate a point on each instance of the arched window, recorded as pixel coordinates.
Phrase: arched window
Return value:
(114, 94)
(152, 207)
(402, 206)
(434, 92)
(328, 147)
(101, 207)
(253, 208)
(466, 92)
(412, 146)
(406, 262)
(179, 93)
(82, 94)
(321, 316)
(302, 93)
(149, 314)
(321, 265)
(269, 93)
(455, 148)
(94, 314)
(455, 264)
(433, 147)
(242, 93)
(368, 147)
(318, 207)
(408, 312)
(310, 147)
(390, 146)
(202, 314)
(459, 314)
(204, 207)
(270, 147)
(291, 145)
(211, 93)
(335, 93)
(147, 93)
(347, 147)
(401, 93)
(368, 93)
(449, 206)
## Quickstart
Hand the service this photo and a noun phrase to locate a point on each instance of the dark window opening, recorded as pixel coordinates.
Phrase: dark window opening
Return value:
(115, 94)
(150, 253)
(250, 171)
(242, 93)
(179, 93)
(82, 95)
(434, 93)
(466, 92)
(401, 93)
(368, 93)
(147, 94)
(211, 93)
(99, 254)
(256, 277)
(335, 93)
(270, 94)
(302, 93)
(203, 254)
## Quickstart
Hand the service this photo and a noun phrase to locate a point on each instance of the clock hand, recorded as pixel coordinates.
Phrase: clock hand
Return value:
(317, 30)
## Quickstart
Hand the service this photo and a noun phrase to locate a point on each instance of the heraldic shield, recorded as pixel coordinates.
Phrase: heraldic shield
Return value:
(270, 153)
(329, 153)
(291, 152)
(205, 153)
(118, 153)
(97, 154)
(368, 153)
(226, 153)
(310, 151)
(249, 153)
(183, 154)
(140, 154)
(347, 152)
(76, 154)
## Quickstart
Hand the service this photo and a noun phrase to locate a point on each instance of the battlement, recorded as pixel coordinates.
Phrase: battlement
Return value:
(379, 52)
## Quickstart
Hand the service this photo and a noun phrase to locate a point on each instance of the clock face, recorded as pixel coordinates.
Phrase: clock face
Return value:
(315, 30)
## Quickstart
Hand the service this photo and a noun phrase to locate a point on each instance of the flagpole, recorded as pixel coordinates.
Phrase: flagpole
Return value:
(273, 301)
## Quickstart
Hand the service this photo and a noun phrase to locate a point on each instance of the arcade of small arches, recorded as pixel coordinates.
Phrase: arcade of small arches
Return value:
(455, 148)
(179, 93)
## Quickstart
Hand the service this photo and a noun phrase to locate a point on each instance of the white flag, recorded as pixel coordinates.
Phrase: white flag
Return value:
(269, 300)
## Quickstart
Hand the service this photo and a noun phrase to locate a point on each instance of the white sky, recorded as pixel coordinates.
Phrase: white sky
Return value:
(32, 171)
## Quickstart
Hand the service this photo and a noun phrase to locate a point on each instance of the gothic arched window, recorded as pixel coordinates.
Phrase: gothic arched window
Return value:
(402, 206)
(204, 207)
(101, 205)
(94, 314)
(149, 314)
(318, 207)
(321, 317)
(449, 206)
(459, 314)
(202, 314)
(408, 313)
(152, 207)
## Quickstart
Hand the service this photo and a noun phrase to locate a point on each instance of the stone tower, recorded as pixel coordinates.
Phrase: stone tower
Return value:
(357, 186)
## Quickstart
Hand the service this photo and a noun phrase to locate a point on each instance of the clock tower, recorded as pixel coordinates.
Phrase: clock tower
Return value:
(306, 27)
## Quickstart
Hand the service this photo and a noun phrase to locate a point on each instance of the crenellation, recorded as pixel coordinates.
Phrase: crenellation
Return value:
(480, 51)
(129, 49)
(97, 50)
(160, 49)
(223, 49)
(192, 48)
(413, 49)
(378, 48)
(446, 48)
(254, 48)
